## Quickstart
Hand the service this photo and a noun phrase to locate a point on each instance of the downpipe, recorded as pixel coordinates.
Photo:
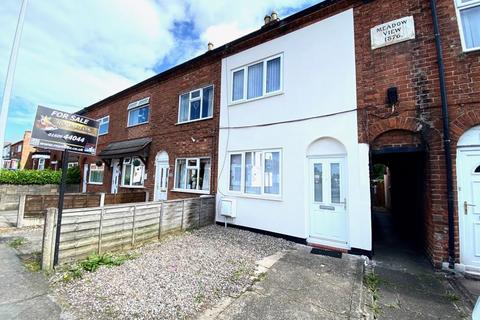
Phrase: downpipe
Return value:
(446, 136)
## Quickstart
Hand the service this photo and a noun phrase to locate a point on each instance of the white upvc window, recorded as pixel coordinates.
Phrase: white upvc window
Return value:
(138, 112)
(103, 125)
(468, 14)
(41, 164)
(133, 172)
(72, 164)
(196, 105)
(256, 173)
(19, 148)
(193, 174)
(257, 80)
(95, 175)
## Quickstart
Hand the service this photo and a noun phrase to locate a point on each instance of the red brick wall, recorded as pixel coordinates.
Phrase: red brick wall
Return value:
(412, 67)
(178, 140)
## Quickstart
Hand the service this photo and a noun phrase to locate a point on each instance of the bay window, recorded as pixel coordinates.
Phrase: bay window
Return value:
(196, 105)
(193, 174)
(468, 13)
(133, 172)
(257, 79)
(256, 172)
(96, 174)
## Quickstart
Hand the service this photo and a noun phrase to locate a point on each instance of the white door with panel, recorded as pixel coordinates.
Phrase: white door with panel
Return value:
(468, 166)
(161, 176)
(328, 202)
(161, 181)
(115, 175)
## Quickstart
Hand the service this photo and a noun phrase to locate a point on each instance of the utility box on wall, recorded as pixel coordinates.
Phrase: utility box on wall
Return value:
(228, 208)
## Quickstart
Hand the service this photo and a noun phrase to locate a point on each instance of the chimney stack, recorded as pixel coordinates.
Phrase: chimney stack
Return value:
(274, 16)
(210, 46)
(267, 19)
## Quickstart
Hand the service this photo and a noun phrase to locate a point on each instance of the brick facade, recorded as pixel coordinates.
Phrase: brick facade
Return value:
(410, 66)
(194, 139)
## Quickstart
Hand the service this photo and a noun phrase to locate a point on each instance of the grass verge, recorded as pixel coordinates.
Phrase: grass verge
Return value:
(17, 242)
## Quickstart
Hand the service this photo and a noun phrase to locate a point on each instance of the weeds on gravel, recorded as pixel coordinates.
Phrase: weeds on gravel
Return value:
(17, 242)
(372, 282)
(95, 261)
(33, 262)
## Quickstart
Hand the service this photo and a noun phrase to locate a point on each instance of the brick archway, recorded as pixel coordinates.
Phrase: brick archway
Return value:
(397, 123)
(461, 124)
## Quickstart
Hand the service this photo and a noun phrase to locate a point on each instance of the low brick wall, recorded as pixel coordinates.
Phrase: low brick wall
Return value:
(10, 194)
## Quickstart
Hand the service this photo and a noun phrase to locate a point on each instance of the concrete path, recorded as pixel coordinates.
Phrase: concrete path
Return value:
(8, 219)
(302, 285)
(409, 287)
(23, 294)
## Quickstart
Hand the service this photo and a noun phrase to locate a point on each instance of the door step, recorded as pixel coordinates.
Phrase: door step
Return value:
(472, 275)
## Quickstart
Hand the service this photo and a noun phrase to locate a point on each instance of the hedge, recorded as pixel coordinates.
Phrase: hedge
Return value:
(24, 177)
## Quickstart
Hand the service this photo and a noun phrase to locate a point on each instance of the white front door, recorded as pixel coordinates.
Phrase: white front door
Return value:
(468, 172)
(161, 181)
(115, 175)
(328, 202)
(85, 177)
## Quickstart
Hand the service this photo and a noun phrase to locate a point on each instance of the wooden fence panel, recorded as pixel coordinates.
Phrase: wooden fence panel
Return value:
(120, 227)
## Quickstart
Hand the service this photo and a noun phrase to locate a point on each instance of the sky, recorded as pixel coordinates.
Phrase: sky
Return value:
(75, 53)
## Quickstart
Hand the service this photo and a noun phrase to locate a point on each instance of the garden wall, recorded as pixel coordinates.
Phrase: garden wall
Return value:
(10, 194)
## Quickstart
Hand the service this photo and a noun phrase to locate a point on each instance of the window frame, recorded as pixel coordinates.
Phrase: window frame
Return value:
(190, 99)
(136, 105)
(19, 148)
(262, 195)
(198, 159)
(265, 94)
(459, 6)
(90, 173)
(122, 176)
(100, 123)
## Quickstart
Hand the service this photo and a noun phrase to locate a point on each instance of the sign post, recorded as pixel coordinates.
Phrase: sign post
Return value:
(59, 130)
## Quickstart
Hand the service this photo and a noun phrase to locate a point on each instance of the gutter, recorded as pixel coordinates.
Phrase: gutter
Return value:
(446, 136)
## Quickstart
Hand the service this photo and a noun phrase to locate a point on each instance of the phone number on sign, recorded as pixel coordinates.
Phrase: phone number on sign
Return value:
(71, 137)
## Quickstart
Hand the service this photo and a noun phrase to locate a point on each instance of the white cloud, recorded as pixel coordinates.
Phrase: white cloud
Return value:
(74, 53)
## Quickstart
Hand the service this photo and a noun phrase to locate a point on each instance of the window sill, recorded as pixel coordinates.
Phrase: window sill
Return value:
(132, 187)
(96, 183)
(471, 50)
(136, 125)
(278, 198)
(190, 121)
(191, 191)
(102, 134)
(273, 94)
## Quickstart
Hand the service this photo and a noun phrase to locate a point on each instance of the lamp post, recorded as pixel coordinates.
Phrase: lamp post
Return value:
(7, 91)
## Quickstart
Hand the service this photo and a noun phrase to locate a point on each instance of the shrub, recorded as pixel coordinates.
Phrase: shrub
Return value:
(73, 175)
(24, 177)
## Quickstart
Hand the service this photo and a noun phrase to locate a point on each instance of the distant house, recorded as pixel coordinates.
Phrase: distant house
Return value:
(20, 153)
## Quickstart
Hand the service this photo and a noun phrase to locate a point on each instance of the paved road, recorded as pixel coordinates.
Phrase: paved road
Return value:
(23, 294)
(302, 285)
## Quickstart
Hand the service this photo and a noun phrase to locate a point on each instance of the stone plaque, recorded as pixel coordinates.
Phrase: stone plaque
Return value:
(392, 32)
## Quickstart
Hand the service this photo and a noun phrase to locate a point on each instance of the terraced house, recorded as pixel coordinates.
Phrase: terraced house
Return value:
(314, 120)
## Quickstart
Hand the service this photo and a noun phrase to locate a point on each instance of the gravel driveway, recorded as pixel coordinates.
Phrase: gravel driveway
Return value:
(174, 279)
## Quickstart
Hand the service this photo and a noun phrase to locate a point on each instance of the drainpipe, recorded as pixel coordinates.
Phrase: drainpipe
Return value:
(446, 136)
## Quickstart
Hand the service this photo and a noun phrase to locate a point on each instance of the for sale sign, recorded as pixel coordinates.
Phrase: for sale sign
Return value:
(60, 130)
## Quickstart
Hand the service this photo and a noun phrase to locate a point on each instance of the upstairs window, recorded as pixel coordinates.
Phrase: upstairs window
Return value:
(257, 79)
(103, 125)
(19, 148)
(468, 12)
(196, 105)
(138, 112)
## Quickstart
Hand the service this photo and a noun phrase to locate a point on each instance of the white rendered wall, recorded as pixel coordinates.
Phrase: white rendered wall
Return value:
(318, 80)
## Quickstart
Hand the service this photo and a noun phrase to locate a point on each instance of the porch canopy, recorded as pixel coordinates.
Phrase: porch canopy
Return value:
(129, 148)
